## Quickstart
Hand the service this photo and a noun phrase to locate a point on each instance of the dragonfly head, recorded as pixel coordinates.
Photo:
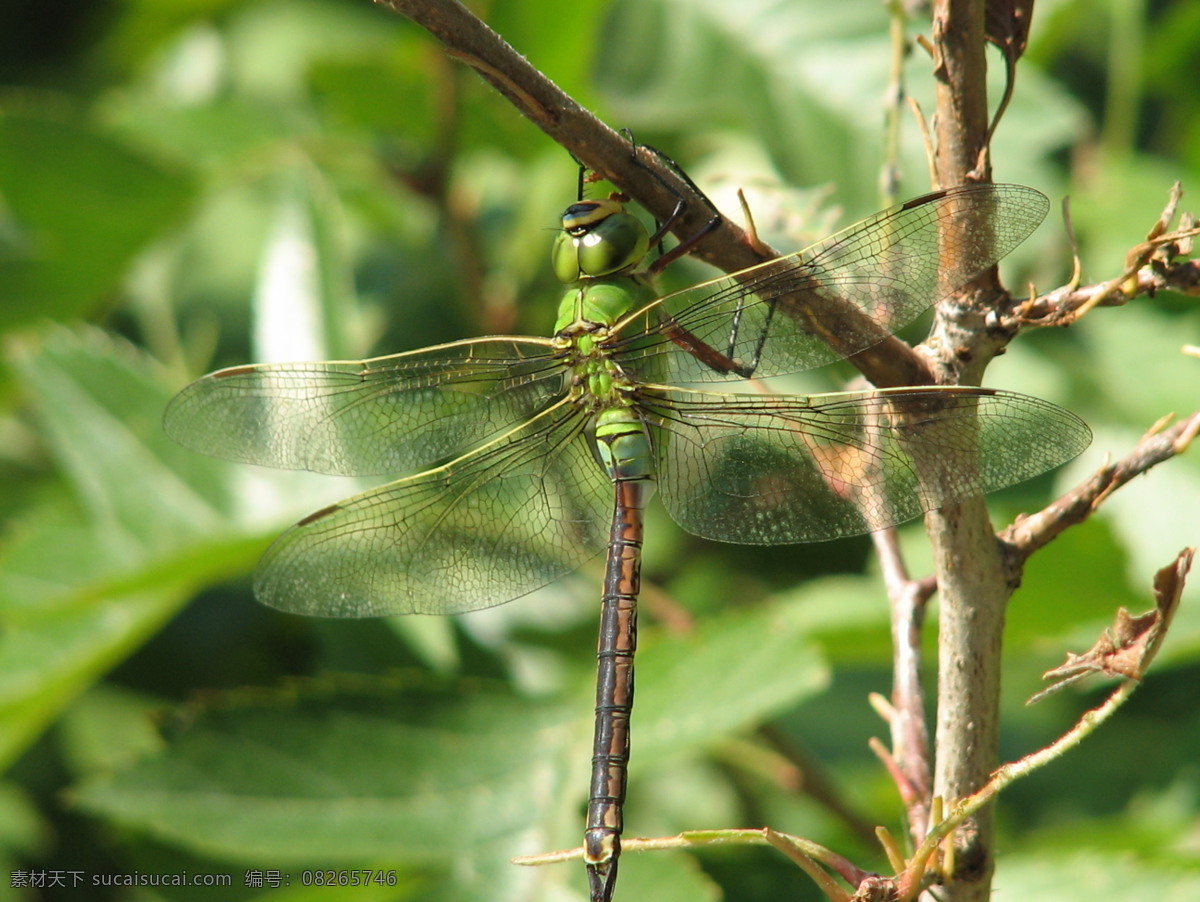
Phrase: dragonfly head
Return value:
(598, 238)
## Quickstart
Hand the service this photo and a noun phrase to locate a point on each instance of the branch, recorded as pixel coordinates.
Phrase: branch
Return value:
(804, 852)
(909, 762)
(1158, 263)
(654, 185)
(642, 175)
(972, 588)
(1028, 534)
(1126, 650)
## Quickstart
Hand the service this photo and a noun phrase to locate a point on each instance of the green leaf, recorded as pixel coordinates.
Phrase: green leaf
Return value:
(731, 673)
(87, 574)
(301, 305)
(107, 728)
(1088, 876)
(1073, 587)
(665, 876)
(21, 826)
(80, 206)
(407, 770)
(218, 134)
(809, 81)
(670, 64)
(846, 615)
(100, 409)
(426, 771)
(1126, 344)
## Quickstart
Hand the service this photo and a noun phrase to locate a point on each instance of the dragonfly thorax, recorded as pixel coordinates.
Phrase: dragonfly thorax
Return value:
(597, 381)
(600, 386)
(595, 304)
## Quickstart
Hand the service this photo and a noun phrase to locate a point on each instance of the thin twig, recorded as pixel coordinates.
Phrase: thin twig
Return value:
(1028, 534)
(1160, 262)
(1168, 590)
(907, 724)
(890, 174)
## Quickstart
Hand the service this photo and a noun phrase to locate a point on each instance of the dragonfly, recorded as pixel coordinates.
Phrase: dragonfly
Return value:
(522, 457)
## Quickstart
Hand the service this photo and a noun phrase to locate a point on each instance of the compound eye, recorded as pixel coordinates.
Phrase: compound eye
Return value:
(599, 238)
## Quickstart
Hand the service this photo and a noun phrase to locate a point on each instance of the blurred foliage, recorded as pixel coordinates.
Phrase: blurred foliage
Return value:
(170, 171)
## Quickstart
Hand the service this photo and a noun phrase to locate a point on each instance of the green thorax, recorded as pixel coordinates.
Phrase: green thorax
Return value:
(598, 253)
(590, 305)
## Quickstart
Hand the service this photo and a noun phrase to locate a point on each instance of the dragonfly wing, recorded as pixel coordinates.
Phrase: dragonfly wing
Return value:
(775, 470)
(841, 295)
(368, 417)
(491, 526)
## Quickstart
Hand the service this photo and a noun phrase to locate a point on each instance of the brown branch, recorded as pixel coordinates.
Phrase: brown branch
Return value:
(1158, 263)
(654, 185)
(909, 761)
(1064, 306)
(642, 175)
(1028, 534)
(973, 591)
(961, 71)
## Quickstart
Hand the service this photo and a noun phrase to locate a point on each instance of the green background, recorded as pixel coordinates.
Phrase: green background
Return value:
(190, 185)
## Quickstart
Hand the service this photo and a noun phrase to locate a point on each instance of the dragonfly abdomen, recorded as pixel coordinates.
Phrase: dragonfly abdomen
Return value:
(623, 445)
(614, 683)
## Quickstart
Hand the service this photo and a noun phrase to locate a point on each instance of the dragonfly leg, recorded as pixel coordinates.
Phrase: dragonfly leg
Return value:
(715, 360)
(726, 362)
(685, 246)
(746, 370)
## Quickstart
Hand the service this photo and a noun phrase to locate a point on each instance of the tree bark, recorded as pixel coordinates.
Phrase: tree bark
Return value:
(972, 588)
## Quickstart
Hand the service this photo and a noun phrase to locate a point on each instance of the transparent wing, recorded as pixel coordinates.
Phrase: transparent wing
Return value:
(839, 296)
(769, 470)
(491, 526)
(368, 417)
